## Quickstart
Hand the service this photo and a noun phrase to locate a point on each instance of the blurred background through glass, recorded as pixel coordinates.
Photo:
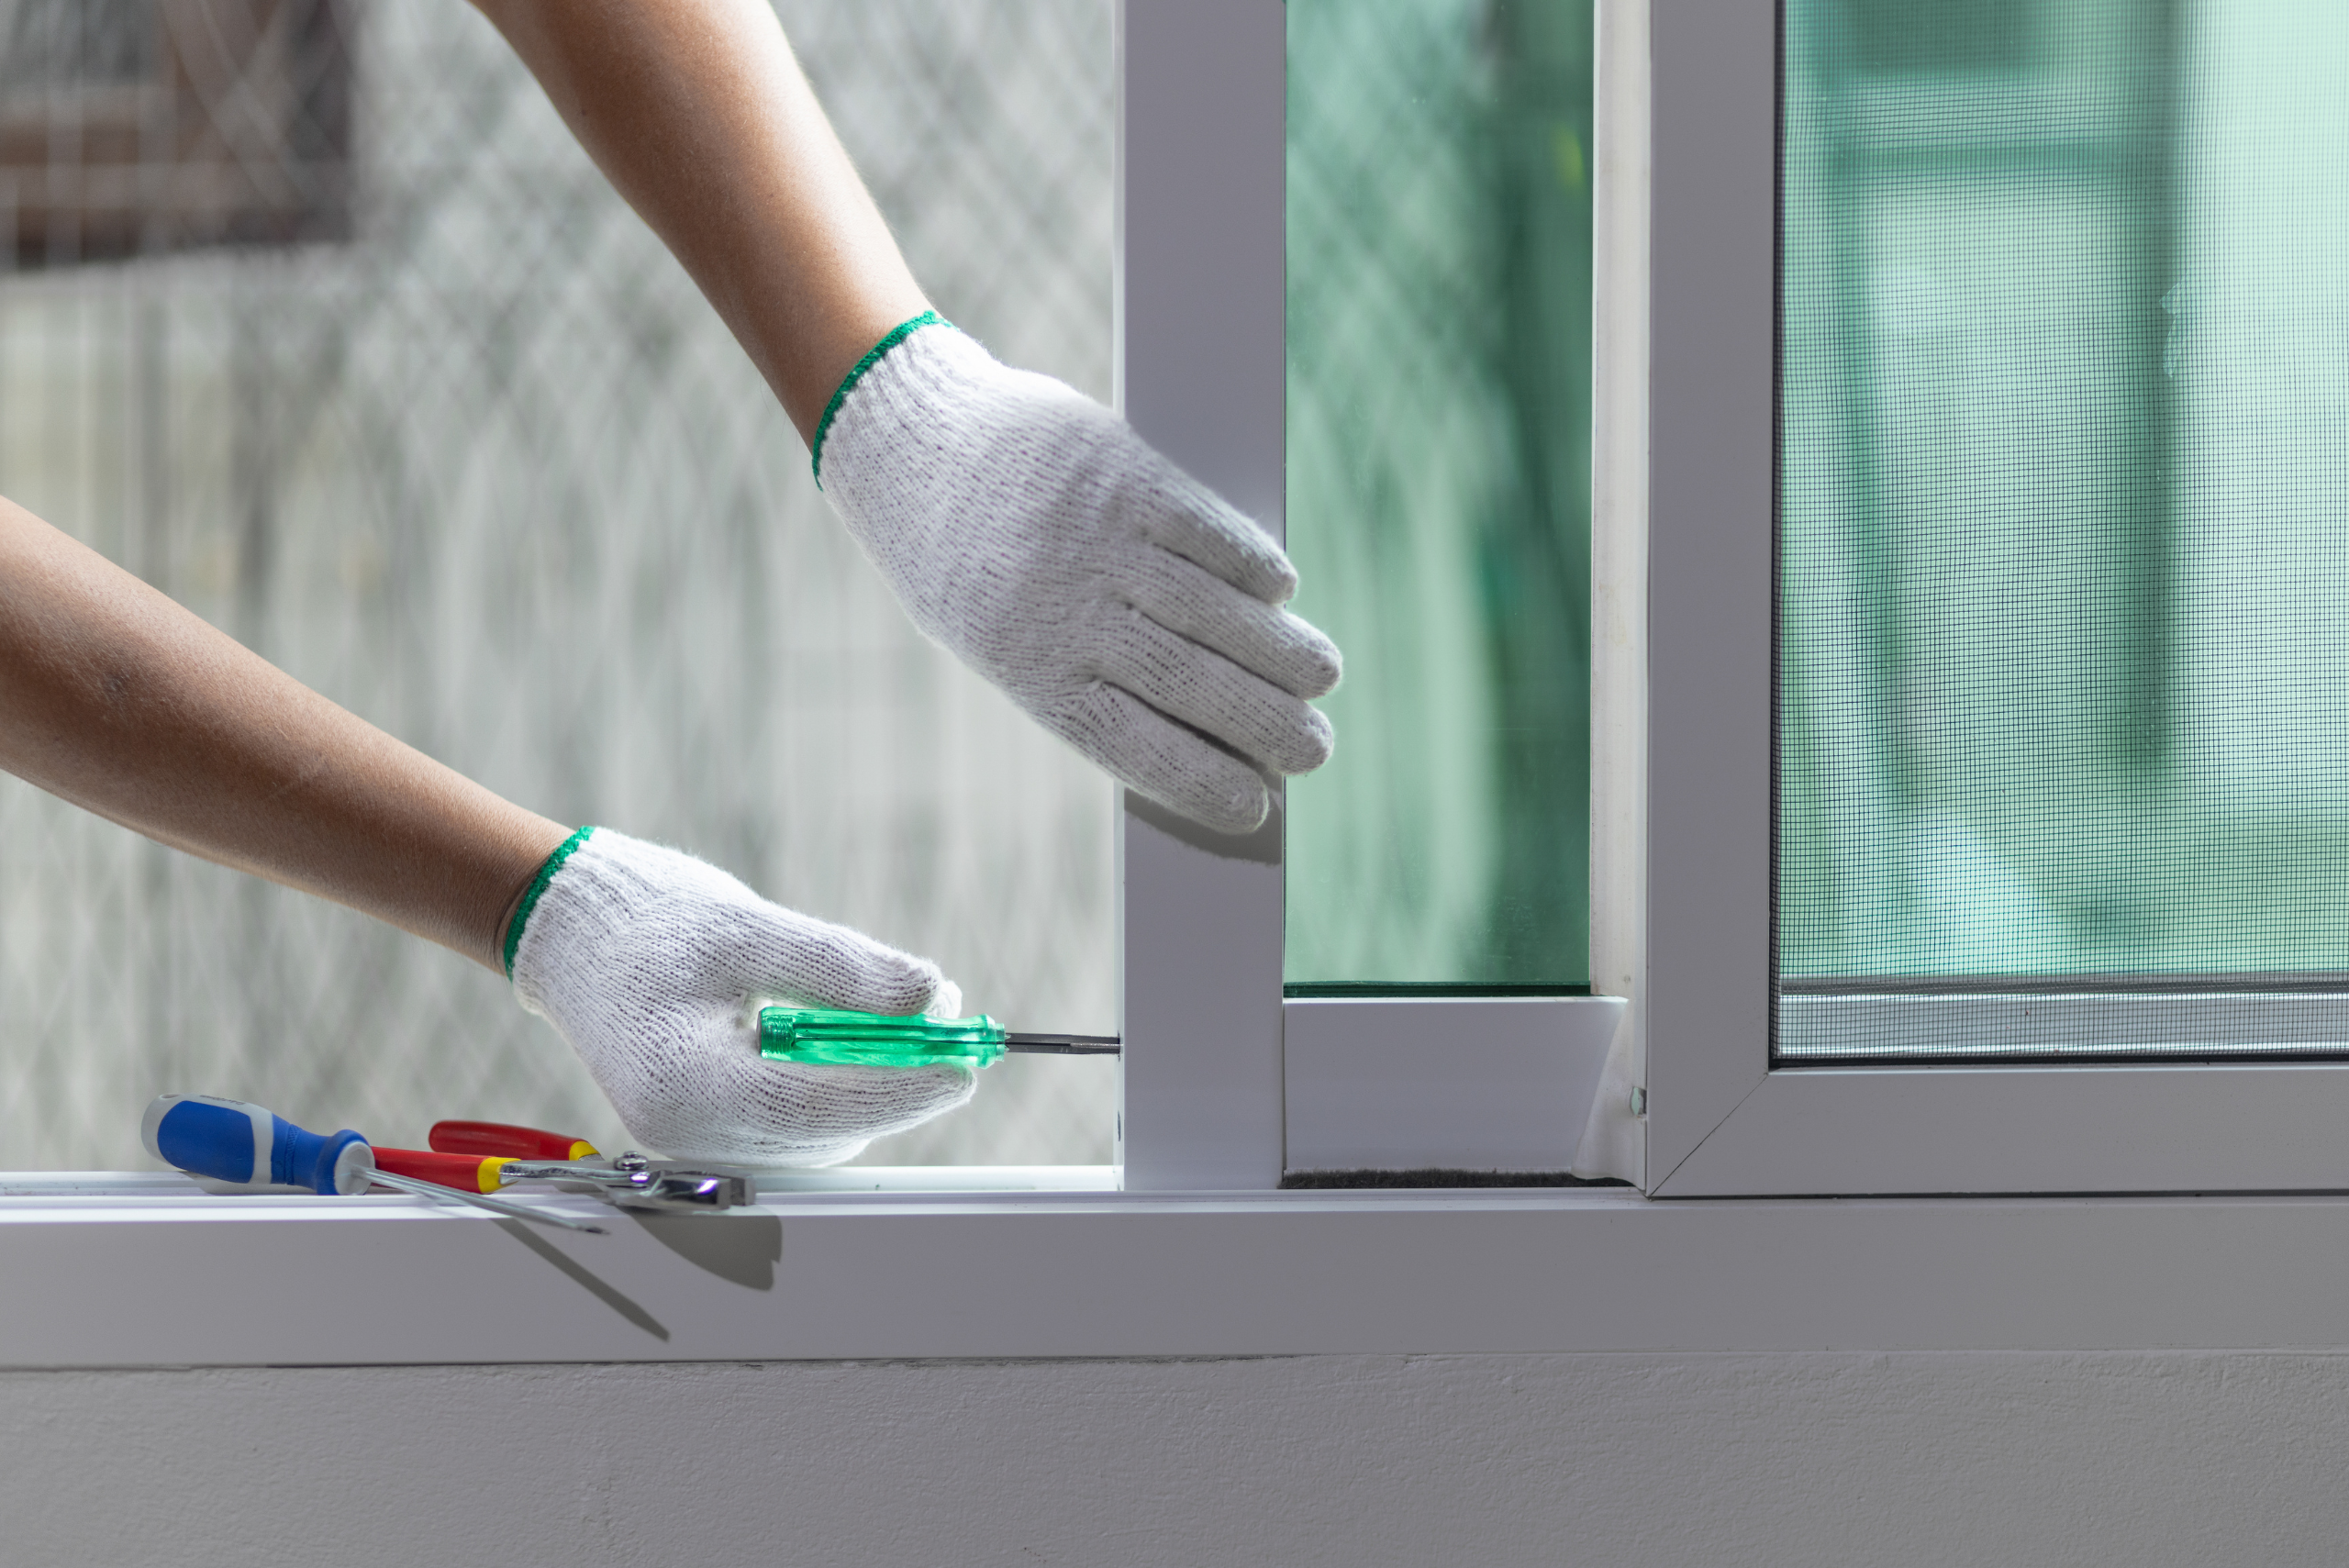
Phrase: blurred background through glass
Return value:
(2065, 532)
(1438, 489)
(320, 322)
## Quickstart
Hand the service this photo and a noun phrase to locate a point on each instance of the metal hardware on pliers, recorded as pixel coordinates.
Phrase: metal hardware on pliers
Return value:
(631, 1181)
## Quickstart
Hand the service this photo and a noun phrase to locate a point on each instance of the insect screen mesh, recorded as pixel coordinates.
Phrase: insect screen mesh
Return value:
(2064, 416)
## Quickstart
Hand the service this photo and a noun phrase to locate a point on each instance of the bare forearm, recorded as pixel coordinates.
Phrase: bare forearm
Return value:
(699, 114)
(126, 704)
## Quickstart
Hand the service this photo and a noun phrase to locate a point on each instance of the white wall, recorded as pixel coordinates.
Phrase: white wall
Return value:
(1469, 1462)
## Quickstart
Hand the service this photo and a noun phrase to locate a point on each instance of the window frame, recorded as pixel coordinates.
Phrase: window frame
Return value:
(1199, 371)
(138, 1270)
(1723, 1118)
(155, 1278)
(1210, 1098)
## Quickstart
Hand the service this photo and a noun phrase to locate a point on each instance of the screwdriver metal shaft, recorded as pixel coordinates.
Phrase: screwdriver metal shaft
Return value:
(1064, 1044)
(483, 1200)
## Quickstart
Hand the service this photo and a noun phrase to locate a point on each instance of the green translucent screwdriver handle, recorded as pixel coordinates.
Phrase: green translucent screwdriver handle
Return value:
(838, 1038)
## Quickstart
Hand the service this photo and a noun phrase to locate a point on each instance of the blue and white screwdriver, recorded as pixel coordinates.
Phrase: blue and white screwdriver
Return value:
(248, 1148)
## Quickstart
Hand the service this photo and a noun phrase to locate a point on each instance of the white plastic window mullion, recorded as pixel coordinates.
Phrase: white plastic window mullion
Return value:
(1614, 1141)
(1711, 381)
(1201, 367)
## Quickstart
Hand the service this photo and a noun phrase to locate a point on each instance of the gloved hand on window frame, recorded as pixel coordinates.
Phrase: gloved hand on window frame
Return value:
(1122, 605)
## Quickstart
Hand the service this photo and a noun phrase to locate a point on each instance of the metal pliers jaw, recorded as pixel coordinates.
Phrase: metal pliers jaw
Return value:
(633, 1181)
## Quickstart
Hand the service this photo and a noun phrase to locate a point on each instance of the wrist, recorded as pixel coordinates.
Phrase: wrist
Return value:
(873, 357)
(518, 908)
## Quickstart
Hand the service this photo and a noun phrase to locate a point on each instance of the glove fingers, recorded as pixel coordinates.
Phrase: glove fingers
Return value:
(1159, 758)
(1212, 694)
(770, 950)
(778, 1113)
(644, 958)
(823, 1114)
(1262, 639)
(1202, 528)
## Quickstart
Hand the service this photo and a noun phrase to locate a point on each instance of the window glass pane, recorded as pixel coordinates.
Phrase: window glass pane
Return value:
(487, 469)
(1439, 458)
(2064, 480)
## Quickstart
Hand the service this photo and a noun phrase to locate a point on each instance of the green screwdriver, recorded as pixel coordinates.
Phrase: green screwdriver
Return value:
(839, 1037)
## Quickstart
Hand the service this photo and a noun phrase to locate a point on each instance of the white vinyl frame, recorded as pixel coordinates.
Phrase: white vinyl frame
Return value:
(122, 1270)
(1721, 1118)
(1211, 1099)
(1200, 371)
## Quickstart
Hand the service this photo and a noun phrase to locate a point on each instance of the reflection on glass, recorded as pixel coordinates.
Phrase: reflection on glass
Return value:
(2064, 491)
(1438, 404)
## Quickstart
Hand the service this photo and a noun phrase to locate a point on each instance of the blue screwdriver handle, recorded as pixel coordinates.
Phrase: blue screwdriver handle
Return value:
(247, 1146)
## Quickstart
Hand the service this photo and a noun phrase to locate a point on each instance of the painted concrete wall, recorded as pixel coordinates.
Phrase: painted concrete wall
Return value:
(1480, 1462)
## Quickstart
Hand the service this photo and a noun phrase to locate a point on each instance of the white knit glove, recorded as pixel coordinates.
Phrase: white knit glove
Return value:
(653, 965)
(1125, 606)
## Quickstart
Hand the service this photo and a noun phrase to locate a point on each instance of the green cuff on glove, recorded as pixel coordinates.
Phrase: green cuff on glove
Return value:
(536, 891)
(898, 335)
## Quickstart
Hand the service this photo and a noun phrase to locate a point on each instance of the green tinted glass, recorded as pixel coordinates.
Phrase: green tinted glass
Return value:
(2065, 493)
(1439, 459)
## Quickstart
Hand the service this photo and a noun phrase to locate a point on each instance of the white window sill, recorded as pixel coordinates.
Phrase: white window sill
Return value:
(144, 1273)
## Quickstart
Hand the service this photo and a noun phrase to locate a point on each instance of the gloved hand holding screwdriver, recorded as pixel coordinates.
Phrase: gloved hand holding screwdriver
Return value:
(1025, 527)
